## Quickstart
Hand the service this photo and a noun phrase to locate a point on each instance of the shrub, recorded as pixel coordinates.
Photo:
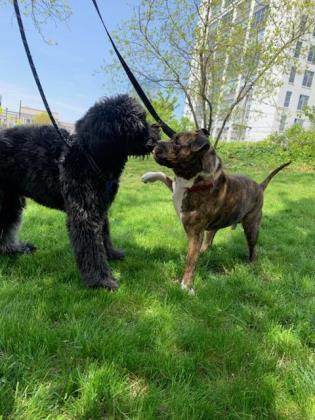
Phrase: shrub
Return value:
(297, 142)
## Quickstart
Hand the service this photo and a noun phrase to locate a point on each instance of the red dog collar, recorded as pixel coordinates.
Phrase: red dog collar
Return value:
(200, 187)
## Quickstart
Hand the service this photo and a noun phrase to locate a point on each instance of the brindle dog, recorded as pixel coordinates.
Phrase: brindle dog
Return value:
(205, 197)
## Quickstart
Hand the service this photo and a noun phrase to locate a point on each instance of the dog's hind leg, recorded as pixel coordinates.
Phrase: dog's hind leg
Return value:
(251, 224)
(158, 176)
(208, 240)
(112, 253)
(11, 208)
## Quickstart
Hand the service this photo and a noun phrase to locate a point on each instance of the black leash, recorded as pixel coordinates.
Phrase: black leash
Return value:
(167, 130)
(31, 63)
(88, 157)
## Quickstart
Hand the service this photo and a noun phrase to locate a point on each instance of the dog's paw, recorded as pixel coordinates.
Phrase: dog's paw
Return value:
(17, 248)
(108, 283)
(147, 177)
(151, 177)
(27, 248)
(115, 254)
(189, 290)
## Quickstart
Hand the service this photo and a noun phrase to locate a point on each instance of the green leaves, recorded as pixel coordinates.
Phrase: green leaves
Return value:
(197, 49)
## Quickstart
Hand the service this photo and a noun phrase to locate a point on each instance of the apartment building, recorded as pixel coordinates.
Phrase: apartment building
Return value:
(256, 118)
(284, 107)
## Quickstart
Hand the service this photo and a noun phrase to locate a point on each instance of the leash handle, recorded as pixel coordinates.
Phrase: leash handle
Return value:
(31, 63)
(167, 130)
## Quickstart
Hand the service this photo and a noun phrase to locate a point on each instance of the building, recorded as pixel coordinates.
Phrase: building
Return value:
(255, 118)
(26, 115)
(283, 108)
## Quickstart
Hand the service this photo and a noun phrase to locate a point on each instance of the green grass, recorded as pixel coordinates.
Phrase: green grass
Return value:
(241, 348)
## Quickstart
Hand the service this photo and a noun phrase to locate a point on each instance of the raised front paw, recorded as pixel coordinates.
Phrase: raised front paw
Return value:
(115, 254)
(149, 177)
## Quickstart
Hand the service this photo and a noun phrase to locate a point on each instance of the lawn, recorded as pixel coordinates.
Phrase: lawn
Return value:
(241, 348)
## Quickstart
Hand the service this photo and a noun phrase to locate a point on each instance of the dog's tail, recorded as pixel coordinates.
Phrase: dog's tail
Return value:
(272, 174)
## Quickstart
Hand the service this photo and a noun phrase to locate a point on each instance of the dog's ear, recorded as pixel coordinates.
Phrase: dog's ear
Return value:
(201, 142)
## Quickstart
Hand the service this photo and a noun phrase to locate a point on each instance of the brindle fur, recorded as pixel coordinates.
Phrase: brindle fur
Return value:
(224, 201)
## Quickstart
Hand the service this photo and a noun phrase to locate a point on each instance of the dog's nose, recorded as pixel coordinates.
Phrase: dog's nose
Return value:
(160, 147)
(151, 143)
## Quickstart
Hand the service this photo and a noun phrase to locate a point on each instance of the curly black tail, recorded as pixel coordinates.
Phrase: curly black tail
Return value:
(273, 173)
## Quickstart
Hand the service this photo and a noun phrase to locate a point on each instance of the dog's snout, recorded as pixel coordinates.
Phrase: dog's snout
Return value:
(160, 145)
(157, 147)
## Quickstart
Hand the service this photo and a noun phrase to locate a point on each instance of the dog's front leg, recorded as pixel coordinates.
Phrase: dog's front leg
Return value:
(194, 244)
(85, 231)
(158, 176)
(112, 253)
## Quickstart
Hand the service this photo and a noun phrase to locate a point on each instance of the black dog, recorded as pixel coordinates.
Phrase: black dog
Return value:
(36, 163)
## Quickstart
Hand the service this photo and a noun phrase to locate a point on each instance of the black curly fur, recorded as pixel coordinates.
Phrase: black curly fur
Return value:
(35, 163)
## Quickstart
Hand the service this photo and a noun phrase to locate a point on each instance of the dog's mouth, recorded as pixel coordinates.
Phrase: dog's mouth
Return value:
(150, 145)
(161, 160)
(142, 150)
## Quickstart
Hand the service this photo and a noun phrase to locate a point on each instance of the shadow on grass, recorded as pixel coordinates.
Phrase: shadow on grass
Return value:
(238, 349)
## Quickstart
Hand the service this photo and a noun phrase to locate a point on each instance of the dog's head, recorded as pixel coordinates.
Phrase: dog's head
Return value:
(140, 136)
(187, 154)
(117, 126)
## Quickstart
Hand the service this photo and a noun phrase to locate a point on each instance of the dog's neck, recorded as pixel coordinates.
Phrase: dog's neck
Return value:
(111, 169)
(209, 174)
(181, 185)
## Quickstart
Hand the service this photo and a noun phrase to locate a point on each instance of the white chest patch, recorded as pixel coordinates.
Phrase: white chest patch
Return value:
(179, 189)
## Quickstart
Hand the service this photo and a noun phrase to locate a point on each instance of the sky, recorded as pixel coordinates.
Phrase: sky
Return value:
(69, 71)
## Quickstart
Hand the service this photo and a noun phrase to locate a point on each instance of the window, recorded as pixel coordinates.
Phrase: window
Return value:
(297, 50)
(283, 120)
(299, 121)
(256, 60)
(287, 99)
(303, 100)
(259, 16)
(311, 54)
(260, 35)
(292, 75)
(308, 78)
